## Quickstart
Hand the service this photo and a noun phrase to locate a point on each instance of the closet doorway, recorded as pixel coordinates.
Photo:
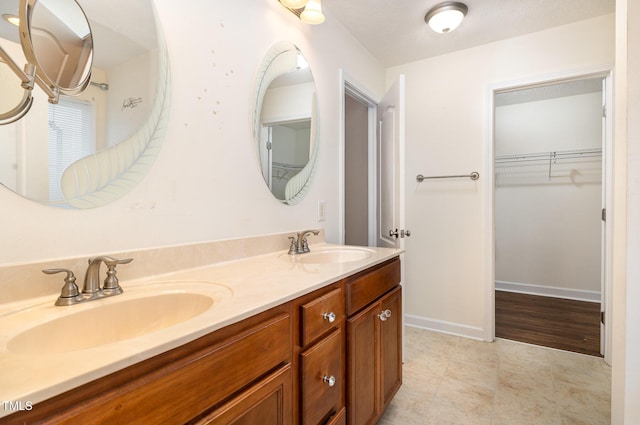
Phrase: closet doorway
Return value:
(357, 223)
(550, 197)
(358, 167)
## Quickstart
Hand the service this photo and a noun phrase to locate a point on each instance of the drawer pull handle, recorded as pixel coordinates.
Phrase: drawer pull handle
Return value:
(331, 317)
(384, 315)
(330, 380)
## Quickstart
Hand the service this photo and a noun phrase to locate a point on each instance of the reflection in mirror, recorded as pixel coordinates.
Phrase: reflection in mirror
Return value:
(91, 149)
(57, 39)
(15, 102)
(285, 122)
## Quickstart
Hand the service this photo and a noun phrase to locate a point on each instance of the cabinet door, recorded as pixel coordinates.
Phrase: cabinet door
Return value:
(267, 403)
(362, 366)
(390, 345)
(374, 358)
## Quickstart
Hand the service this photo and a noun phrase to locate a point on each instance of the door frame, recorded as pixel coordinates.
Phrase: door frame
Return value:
(606, 72)
(350, 86)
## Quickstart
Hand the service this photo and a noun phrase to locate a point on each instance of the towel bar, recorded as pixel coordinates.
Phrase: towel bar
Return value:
(473, 176)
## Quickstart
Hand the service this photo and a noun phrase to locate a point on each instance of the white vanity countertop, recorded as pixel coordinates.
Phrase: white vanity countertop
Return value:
(247, 286)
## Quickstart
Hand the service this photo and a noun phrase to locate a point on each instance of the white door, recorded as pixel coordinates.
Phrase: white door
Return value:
(390, 188)
(607, 241)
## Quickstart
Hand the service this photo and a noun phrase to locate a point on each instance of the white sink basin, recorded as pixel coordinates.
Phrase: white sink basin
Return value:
(330, 255)
(113, 319)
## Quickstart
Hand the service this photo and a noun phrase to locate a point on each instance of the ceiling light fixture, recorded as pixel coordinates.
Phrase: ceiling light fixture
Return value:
(309, 11)
(445, 17)
(294, 4)
(12, 19)
(312, 13)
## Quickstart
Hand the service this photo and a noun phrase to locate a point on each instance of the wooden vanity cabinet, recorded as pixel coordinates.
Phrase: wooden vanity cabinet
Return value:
(374, 342)
(325, 358)
(242, 367)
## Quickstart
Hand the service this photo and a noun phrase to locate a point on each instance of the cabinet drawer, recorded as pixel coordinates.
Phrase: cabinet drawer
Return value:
(364, 288)
(321, 315)
(340, 418)
(267, 402)
(321, 379)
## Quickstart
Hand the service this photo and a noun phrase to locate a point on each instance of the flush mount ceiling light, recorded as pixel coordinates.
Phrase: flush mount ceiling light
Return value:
(12, 19)
(445, 17)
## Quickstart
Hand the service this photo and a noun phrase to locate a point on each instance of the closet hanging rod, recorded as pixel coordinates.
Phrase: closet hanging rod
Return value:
(543, 158)
(474, 175)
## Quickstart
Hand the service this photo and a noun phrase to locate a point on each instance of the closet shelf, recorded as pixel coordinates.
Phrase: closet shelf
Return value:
(547, 159)
(550, 156)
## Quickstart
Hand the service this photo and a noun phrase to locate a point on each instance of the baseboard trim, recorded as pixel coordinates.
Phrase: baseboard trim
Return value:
(444, 327)
(548, 291)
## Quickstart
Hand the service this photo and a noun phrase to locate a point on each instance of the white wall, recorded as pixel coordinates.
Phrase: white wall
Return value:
(626, 268)
(632, 370)
(548, 229)
(632, 411)
(447, 119)
(206, 183)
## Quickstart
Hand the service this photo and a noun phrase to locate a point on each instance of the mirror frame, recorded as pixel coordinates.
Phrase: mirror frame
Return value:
(299, 185)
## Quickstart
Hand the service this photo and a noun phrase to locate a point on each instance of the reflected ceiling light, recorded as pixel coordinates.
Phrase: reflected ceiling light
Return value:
(12, 19)
(294, 4)
(312, 13)
(445, 17)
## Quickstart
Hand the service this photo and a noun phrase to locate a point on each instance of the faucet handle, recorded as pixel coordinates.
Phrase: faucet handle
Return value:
(111, 285)
(304, 244)
(69, 291)
(293, 249)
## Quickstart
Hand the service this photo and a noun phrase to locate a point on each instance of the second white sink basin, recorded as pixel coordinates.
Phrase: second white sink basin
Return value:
(111, 320)
(331, 255)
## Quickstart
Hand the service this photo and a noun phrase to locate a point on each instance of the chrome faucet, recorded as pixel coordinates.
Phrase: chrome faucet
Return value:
(91, 289)
(299, 244)
(92, 277)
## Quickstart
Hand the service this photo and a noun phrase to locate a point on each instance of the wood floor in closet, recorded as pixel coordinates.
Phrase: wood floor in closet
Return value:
(551, 322)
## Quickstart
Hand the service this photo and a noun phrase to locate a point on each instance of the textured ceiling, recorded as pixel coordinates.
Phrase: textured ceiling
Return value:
(394, 31)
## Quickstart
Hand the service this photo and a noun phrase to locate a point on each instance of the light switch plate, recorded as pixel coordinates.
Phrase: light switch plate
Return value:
(321, 211)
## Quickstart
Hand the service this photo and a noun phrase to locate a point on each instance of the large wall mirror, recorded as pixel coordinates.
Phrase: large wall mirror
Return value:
(285, 121)
(90, 149)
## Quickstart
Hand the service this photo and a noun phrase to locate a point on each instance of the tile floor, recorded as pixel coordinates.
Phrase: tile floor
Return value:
(450, 380)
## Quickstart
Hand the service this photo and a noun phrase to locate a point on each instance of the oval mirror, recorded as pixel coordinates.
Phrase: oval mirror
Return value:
(56, 38)
(91, 149)
(285, 120)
